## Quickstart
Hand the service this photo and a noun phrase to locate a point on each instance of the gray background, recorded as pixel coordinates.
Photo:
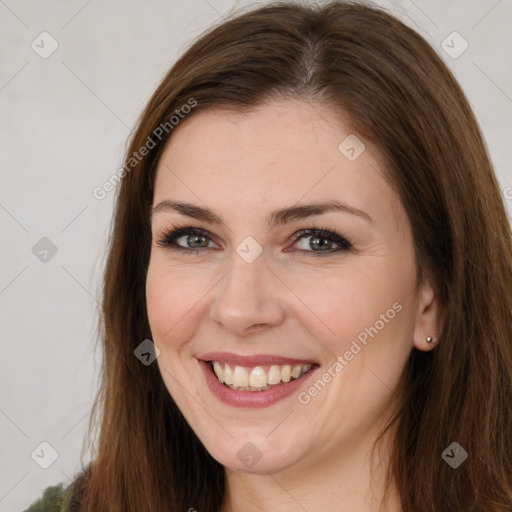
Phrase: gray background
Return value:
(65, 120)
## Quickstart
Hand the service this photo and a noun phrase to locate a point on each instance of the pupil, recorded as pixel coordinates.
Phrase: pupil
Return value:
(193, 238)
(323, 242)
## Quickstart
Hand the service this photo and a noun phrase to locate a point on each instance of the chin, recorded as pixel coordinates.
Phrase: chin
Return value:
(255, 454)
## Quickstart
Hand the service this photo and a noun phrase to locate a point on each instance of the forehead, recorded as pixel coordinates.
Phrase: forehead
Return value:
(286, 151)
(292, 128)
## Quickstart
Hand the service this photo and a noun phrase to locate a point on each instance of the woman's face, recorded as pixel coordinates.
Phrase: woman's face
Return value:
(254, 296)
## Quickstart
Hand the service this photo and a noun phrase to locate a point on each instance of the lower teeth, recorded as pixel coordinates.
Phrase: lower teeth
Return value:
(249, 388)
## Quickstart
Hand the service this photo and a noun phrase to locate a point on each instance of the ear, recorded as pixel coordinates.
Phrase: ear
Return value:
(428, 317)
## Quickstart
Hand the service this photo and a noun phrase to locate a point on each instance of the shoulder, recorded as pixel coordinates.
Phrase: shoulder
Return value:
(59, 498)
(52, 499)
(72, 501)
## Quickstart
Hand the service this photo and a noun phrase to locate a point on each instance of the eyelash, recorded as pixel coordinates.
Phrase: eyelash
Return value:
(167, 239)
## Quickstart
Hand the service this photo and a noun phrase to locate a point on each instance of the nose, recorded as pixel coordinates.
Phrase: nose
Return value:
(247, 299)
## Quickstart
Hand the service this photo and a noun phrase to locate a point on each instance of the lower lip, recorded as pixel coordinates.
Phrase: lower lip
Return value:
(254, 399)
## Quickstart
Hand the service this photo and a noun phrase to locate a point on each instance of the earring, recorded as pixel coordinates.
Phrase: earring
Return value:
(430, 340)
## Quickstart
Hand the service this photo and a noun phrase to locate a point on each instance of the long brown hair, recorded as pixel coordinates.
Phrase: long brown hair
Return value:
(399, 94)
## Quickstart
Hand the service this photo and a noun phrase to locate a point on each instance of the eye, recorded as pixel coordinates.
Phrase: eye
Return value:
(192, 239)
(322, 242)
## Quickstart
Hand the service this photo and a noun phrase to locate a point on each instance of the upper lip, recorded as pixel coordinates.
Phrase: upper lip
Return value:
(252, 360)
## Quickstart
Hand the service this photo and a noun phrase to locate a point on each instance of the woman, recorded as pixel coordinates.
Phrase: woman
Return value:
(243, 370)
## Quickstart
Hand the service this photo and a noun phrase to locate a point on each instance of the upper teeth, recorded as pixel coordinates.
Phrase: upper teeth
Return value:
(257, 378)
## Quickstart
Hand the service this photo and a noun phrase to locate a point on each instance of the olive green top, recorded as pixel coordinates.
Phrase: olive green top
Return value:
(54, 499)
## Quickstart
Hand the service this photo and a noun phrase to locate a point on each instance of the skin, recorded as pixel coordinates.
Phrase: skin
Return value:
(315, 456)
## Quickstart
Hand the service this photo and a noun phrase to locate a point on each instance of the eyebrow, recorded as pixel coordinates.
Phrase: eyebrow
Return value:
(277, 217)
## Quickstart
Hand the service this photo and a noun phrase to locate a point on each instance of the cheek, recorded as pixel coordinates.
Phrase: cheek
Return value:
(356, 303)
(173, 306)
(173, 299)
(336, 304)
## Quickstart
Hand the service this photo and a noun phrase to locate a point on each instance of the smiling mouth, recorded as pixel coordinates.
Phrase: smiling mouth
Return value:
(257, 378)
